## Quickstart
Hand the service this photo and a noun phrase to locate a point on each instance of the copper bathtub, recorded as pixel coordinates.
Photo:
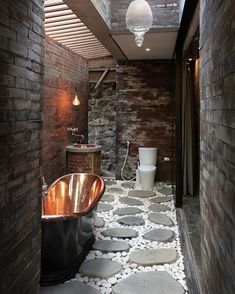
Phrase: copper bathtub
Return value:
(68, 212)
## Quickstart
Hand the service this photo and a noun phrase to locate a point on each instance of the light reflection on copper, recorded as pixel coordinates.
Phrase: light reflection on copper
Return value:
(72, 195)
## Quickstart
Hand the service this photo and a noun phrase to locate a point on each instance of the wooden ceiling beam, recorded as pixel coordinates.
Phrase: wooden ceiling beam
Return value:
(55, 8)
(70, 29)
(73, 33)
(52, 2)
(60, 18)
(61, 13)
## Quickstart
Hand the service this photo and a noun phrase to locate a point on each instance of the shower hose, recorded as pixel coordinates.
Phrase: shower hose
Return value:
(124, 164)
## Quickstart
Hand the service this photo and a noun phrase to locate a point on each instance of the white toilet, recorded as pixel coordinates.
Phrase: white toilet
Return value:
(147, 167)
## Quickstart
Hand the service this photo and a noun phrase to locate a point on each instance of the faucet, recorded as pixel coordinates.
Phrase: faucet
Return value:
(74, 133)
(44, 187)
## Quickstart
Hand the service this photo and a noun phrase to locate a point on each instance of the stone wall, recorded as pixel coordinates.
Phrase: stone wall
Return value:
(102, 124)
(21, 69)
(165, 12)
(102, 112)
(104, 9)
(64, 72)
(145, 114)
(217, 84)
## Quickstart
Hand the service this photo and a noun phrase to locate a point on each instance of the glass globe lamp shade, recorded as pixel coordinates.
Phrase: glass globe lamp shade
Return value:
(139, 18)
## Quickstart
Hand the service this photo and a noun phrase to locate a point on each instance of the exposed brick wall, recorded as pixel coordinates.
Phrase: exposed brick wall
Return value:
(145, 114)
(165, 13)
(217, 84)
(87, 162)
(64, 72)
(21, 68)
(104, 8)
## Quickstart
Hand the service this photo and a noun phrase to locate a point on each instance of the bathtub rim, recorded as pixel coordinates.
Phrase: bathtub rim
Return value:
(59, 217)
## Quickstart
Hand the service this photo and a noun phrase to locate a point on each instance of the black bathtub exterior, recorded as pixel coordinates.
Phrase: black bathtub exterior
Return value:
(65, 244)
(68, 213)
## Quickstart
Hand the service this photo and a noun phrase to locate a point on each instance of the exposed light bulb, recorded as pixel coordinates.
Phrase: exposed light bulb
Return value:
(76, 101)
(139, 18)
(147, 49)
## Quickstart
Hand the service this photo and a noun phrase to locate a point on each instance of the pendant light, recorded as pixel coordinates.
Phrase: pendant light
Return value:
(139, 18)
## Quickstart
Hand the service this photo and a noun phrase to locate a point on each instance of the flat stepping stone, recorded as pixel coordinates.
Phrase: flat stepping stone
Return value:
(99, 222)
(130, 201)
(110, 182)
(100, 268)
(115, 190)
(102, 207)
(107, 198)
(120, 233)
(155, 207)
(127, 211)
(153, 257)
(73, 287)
(141, 193)
(165, 191)
(128, 185)
(157, 282)
(111, 246)
(160, 199)
(131, 221)
(160, 219)
(159, 235)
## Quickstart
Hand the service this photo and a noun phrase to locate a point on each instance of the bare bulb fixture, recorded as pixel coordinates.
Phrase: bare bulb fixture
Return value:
(139, 18)
(76, 101)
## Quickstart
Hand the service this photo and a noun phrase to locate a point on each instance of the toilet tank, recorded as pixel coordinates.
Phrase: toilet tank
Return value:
(147, 155)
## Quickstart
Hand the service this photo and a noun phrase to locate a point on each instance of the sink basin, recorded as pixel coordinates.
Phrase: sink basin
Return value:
(81, 148)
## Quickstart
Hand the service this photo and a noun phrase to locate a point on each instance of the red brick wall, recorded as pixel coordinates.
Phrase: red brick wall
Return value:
(64, 72)
(217, 85)
(86, 162)
(145, 114)
(21, 67)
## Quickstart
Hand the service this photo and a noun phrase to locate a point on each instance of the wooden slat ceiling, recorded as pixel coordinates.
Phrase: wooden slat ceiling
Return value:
(62, 25)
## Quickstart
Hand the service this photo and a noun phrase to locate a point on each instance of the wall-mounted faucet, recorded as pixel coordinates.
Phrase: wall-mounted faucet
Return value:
(74, 133)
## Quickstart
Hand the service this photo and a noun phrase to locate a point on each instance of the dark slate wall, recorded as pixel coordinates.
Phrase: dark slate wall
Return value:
(145, 114)
(165, 13)
(21, 69)
(64, 72)
(217, 83)
(102, 124)
(102, 112)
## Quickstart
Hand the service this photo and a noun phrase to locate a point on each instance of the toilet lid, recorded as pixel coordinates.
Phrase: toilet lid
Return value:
(146, 167)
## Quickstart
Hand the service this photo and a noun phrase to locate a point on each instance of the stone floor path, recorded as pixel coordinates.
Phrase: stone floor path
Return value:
(137, 248)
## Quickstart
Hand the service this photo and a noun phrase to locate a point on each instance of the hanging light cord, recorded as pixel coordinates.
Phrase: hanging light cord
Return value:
(124, 164)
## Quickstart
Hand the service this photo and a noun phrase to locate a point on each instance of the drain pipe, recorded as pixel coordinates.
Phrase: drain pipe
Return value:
(124, 164)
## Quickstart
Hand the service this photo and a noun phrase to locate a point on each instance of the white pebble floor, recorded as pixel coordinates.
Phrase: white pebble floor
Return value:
(176, 269)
